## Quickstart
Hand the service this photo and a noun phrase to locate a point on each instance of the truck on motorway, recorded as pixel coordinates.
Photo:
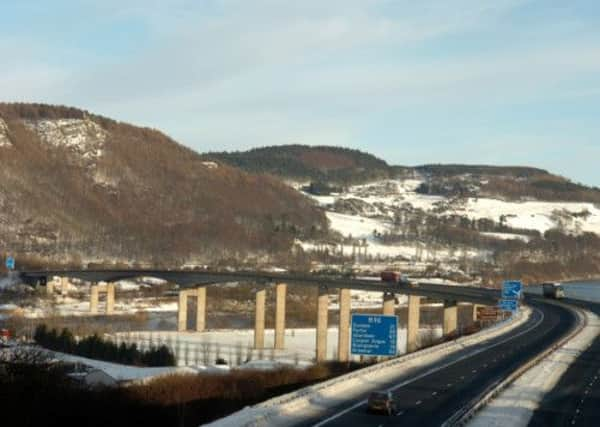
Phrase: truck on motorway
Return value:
(395, 277)
(553, 290)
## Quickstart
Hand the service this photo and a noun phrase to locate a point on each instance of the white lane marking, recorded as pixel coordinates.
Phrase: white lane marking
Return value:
(434, 393)
(418, 402)
(434, 370)
(400, 414)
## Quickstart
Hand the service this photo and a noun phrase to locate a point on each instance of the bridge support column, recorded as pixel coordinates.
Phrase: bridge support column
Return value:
(280, 292)
(259, 320)
(412, 328)
(94, 299)
(50, 287)
(64, 286)
(322, 323)
(182, 312)
(389, 301)
(344, 325)
(475, 306)
(110, 298)
(200, 309)
(450, 317)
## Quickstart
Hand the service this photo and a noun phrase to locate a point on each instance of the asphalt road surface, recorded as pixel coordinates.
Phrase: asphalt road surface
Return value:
(575, 400)
(428, 399)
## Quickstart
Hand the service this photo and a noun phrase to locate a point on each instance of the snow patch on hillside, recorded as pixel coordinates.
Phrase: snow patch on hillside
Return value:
(535, 215)
(378, 200)
(4, 139)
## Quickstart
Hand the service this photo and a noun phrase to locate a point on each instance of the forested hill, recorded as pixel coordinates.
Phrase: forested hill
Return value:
(341, 166)
(96, 189)
(511, 183)
(334, 165)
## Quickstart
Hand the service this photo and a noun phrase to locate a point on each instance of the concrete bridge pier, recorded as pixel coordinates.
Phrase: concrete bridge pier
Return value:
(450, 317)
(200, 309)
(94, 291)
(344, 325)
(412, 328)
(389, 301)
(109, 290)
(110, 298)
(259, 320)
(280, 294)
(182, 311)
(322, 323)
(64, 286)
(50, 287)
(475, 306)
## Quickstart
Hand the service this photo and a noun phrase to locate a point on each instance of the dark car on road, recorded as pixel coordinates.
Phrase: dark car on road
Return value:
(382, 401)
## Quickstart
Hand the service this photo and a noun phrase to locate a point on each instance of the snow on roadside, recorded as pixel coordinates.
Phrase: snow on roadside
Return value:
(515, 405)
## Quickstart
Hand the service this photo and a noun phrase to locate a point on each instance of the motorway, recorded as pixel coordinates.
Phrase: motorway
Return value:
(575, 400)
(429, 398)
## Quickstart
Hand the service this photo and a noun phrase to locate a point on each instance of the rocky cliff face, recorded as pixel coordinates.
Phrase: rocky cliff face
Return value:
(4, 139)
(82, 137)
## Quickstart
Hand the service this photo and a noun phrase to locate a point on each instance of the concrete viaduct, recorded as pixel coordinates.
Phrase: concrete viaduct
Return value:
(194, 283)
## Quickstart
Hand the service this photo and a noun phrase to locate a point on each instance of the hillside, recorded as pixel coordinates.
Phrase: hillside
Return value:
(510, 183)
(343, 167)
(459, 221)
(97, 189)
(334, 165)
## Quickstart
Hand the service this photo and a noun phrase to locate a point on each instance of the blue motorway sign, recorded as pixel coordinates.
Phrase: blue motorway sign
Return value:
(509, 305)
(374, 335)
(10, 263)
(511, 289)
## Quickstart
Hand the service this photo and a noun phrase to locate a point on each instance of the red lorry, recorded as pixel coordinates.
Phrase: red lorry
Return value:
(394, 276)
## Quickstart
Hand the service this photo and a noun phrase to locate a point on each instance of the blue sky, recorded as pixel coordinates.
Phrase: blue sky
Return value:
(463, 81)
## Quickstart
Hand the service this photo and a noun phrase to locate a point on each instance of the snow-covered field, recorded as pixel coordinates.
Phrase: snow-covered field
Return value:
(236, 346)
(373, 206)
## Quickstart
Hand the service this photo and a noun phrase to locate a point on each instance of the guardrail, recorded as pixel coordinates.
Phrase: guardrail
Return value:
(463, 415)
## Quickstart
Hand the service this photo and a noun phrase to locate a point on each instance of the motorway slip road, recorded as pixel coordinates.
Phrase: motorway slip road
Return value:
(434, 393)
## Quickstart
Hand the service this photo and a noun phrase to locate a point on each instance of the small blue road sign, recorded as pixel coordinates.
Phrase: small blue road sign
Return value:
(509, 305)
(10, 263)
(374, 335)
(511, 289)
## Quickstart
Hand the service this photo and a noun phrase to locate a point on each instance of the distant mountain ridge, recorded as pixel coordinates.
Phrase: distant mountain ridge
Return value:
(342, 166)
(77, 184)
